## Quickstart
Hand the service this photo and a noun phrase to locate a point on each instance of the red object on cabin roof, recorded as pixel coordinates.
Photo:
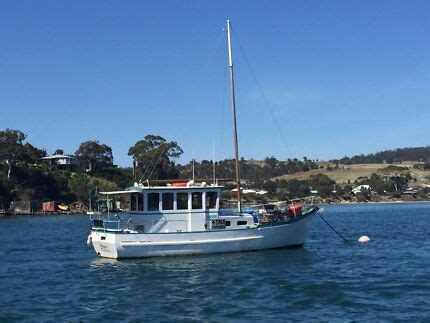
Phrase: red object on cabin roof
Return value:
(180, 184)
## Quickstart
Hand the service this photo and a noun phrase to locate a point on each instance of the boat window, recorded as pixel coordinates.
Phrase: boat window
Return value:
(227, 223)
(242, 222)
(153, 201)
(167, 199)
(133, 202)
(139, 201)
(196, 199)
(182, 201)
(211, 200)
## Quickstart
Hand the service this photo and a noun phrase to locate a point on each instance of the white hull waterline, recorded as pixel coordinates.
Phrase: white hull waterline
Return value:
(128, 244)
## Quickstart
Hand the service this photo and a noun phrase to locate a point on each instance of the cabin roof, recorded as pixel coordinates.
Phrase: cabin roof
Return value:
(192, 187)
(134, 189)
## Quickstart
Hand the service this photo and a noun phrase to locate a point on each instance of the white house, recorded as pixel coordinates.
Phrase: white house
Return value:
(360, 188)
(248, 191)
(59, 159)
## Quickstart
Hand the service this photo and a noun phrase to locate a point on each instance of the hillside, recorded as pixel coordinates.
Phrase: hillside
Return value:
(419, 154)
(350, 173)
(28, 173)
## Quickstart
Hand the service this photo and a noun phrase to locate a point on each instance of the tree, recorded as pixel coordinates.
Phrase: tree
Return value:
(80, 185)
(322, 183)
(11, 148)
(364, 195)
(58, 152)
(154, 157)
(269, 186)
(378, 184)
(32, 154)
(94, 155)
(5, 194)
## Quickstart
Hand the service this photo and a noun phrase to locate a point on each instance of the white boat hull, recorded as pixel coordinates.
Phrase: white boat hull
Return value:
(136, 245)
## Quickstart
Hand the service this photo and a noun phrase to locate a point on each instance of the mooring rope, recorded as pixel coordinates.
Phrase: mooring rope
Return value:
(346, 240)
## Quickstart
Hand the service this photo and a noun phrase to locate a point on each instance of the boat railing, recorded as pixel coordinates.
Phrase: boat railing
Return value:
(275, 211)
(116, 221)
(110, 221)
(306, 203)
(303, 201)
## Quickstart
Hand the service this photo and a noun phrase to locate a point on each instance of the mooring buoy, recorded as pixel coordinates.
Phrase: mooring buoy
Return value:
(364, 239)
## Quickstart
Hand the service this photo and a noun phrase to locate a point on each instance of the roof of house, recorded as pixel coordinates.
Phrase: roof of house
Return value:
(58, 157)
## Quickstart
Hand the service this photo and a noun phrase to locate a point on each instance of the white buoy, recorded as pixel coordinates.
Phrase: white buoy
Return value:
(364, 239)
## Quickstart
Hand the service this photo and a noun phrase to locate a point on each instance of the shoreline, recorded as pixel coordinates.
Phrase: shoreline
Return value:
(7, 215)
(374, 202)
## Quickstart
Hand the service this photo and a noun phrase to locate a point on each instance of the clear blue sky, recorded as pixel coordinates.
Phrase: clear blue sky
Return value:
(341, 77)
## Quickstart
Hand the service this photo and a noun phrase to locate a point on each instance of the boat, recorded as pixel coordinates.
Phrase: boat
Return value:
(185, 218)
(63, 207)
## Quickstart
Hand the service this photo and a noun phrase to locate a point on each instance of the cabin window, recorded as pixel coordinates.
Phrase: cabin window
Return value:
(182, 201)
(196, 200)
(133, 202)
(139, 201)
(211, 200)
(167, 199)
(153, 201)
(227, 223)
(242, 222)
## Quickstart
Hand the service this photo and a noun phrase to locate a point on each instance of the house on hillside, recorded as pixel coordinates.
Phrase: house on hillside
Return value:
(62, 160)
(249, 191)
(361, 188)
(411, 191)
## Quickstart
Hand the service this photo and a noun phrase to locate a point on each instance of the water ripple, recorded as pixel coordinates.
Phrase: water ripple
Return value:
(48, 273)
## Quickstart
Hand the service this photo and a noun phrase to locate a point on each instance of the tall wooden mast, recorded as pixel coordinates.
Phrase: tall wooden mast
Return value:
(233, 108)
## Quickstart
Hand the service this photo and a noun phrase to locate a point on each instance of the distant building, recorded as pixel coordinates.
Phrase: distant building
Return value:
(360, 188)
(24, 207)
(59, 159)
(411, 190)
(248, 191)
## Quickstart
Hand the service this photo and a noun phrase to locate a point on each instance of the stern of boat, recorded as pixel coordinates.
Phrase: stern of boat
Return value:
(104, 243)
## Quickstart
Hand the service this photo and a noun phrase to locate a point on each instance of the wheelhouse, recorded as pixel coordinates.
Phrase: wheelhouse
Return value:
(174, 199)
(167, 209)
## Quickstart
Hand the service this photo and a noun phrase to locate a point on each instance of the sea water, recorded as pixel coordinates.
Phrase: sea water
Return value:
(47, 272)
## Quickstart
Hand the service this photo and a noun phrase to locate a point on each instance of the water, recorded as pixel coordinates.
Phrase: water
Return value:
(48, 273)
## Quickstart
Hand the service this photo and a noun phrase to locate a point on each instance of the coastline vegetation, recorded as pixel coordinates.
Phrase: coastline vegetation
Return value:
(25, 175)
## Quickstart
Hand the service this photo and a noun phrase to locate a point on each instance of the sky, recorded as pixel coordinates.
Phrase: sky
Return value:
(321, 79)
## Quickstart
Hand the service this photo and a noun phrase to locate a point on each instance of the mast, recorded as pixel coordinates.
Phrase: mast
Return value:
(233, 108)
(134, 171)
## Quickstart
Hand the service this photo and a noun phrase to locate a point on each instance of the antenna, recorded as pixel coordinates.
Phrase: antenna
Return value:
(193, 168)
(213, 161)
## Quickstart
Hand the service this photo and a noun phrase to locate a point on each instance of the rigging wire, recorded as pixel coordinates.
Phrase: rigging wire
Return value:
(203, 69)
(149, 165)
(158, 160)
(260, 89)
(203, 72)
